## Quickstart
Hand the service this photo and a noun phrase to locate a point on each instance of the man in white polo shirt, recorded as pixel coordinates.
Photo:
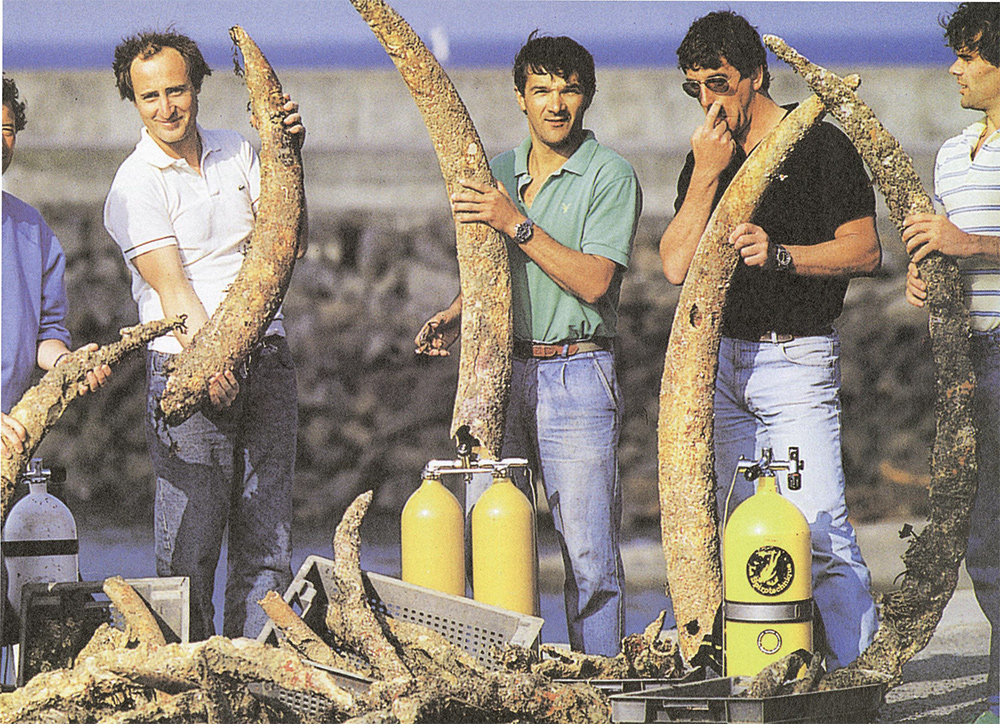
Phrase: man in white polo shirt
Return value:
(181, 208)
(967, 186)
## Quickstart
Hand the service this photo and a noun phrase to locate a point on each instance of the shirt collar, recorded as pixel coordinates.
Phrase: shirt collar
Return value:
(973, 132)
(151, 152)
(576, 164)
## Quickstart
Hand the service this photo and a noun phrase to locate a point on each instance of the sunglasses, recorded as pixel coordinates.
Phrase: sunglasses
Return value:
(718, 85)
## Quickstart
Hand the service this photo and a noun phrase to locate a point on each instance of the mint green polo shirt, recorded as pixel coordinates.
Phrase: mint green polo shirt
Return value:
(592, 204)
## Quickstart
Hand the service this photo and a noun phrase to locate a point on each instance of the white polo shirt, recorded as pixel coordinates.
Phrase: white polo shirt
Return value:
(157, 201)
(969, 191)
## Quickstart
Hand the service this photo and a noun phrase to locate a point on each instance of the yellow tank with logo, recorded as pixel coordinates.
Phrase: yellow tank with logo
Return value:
(767, 581)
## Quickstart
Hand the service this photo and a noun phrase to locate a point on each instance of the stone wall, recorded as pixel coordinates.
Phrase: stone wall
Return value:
(381, 260)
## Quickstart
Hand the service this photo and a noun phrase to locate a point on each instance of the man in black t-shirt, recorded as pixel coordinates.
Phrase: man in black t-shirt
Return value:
(778, 382)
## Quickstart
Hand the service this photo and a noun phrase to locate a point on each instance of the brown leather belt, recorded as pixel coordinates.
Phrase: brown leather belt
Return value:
(529, 350)
(776, 338)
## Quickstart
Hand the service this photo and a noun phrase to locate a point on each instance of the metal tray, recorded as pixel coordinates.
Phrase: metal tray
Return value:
(718, 700)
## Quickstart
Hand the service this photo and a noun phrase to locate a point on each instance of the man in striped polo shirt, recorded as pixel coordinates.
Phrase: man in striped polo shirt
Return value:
(967, 186)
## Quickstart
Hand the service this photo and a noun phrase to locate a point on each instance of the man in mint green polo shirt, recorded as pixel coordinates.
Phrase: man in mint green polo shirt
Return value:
(570, 217)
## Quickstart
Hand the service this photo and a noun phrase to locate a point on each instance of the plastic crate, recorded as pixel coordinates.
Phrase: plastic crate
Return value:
(474, 627)
(58, 619)
(305, 704)
(718, 700)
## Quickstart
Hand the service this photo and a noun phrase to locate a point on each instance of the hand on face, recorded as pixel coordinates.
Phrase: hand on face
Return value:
(712, 142)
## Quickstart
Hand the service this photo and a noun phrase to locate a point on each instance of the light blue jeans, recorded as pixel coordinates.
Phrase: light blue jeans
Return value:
(788, 395)
(232, 467)
(564, 416)
(982, 559)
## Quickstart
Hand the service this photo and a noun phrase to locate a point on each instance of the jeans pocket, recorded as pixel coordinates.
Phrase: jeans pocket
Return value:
(277, 350)
(811, 351)
(607, 376)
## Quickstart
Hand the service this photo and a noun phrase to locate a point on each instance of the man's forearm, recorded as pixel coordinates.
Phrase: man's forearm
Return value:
(985, 247)
(586, 276)
(855, 251)
(680, 239)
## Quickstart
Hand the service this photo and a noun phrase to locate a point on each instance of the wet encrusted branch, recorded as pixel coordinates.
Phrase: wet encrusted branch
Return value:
(42, 405)
(911, 613)
(255, 295)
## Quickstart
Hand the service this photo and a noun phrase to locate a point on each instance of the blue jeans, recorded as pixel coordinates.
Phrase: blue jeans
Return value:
(788, 395)
(982, 559)
(230, 466)
(564, 416)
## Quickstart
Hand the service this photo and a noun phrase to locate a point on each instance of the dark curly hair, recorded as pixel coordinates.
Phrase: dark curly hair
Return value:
(724, 35)
(975, 27)
(10, 99)
(148, 43)
(559, 56)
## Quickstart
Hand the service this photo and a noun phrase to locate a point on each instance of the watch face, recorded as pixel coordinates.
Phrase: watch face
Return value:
(782, 257)
(524, 230)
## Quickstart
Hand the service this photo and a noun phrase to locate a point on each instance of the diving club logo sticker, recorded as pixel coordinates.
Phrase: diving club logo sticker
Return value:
(770, 570)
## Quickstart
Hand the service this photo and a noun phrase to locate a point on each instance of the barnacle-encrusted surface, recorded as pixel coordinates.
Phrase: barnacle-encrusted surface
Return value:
(255, 295)
(484, 269)
(41, 406)
(911, 613)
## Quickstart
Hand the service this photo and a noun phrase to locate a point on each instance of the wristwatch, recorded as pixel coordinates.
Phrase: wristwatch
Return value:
(782, 258)
(524, 231)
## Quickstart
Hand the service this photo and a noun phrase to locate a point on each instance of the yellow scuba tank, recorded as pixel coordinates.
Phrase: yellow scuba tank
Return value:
(432, 538)
(767, 577)
(504, 564)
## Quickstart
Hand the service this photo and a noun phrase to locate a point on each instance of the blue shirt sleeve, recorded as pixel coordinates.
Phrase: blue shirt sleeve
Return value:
(34, 294)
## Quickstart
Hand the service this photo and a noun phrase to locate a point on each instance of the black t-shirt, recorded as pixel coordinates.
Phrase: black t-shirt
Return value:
(822, 185)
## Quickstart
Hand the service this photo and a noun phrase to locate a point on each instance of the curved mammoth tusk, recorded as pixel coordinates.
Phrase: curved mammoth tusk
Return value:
(255, 295)
(485, 363)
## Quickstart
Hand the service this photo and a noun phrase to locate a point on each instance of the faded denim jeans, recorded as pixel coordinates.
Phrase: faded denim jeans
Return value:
(234, 467)
(788, 395)
(564, 416)
(982, 559)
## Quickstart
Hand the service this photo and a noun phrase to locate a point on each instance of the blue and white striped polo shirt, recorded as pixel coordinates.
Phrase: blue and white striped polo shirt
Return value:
(969, 191)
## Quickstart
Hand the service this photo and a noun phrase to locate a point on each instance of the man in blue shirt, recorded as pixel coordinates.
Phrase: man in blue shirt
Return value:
(34, 296)
(569, 207)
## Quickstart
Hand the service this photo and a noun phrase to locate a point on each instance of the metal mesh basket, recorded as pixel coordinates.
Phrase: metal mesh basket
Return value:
(474, 627)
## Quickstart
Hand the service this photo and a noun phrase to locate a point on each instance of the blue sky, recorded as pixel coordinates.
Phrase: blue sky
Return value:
(315, 33)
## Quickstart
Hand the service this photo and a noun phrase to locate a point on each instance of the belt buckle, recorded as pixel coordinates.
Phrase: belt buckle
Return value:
(775, 338)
